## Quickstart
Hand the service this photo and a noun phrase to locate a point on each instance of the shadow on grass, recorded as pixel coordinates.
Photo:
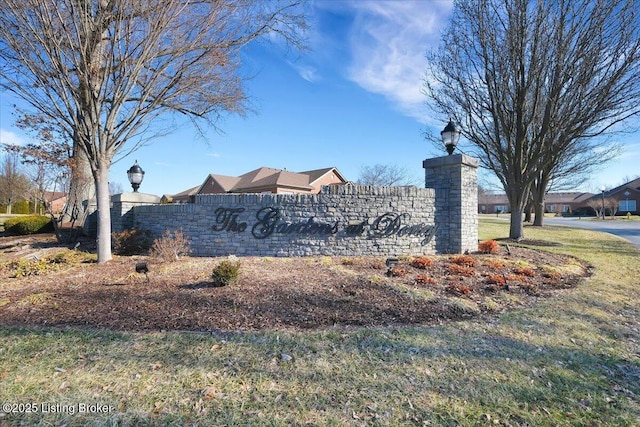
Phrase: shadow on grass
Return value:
(485, 372)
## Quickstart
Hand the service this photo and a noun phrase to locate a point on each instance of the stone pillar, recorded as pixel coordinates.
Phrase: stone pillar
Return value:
(122, 212)
(455, 181)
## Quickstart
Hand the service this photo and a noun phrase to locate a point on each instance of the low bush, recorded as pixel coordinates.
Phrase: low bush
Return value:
(495, 279)
(170, 246)
(458, 289)
(225, 273)
(462, 270)
(465, 260)
(421, 262)
(425, 280)
(488, 247)
(396, 272)
(131, 242)
(28, 225)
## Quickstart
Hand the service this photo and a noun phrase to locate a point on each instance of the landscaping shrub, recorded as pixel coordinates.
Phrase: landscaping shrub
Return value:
(462, 270)
(421, 262)
(488, 247)
(170, 246)
(28, 224)
(131, 242)
(495, 279)
(463, 260)
(425, 280)
(396, 272)
(458, 289)
(225, 273)
(524, 271)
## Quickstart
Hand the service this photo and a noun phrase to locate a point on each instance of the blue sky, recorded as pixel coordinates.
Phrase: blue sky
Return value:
(354, 99)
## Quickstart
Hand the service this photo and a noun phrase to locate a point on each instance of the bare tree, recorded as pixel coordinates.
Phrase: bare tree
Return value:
(14, 185)
(596, 205)
(385, 175)
(106, 71)
(536, 84)
(611, 204)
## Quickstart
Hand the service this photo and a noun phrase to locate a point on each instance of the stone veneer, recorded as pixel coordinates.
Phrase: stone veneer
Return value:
(342, 220)
(455, 181)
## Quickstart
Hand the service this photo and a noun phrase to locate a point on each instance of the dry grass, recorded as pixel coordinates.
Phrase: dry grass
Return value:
(570, 360)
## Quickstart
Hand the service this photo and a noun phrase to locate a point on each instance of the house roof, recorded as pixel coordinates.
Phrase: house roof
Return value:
(632, 185)
(51, 196)
(261, 179)
(268, 177)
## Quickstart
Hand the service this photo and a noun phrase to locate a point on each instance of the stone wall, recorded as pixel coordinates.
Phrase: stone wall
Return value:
(342, 220)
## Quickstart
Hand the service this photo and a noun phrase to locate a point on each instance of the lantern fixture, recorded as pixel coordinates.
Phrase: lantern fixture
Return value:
(135, 175)
(450, 136)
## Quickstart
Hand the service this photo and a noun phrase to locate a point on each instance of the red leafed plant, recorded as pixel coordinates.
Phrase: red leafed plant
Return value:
(495, 279)
(463, 260)
(425, 280)
(397, 272)
(422, 262)
(488, 247)
(524, 271)
(460, 269)
(458, 289)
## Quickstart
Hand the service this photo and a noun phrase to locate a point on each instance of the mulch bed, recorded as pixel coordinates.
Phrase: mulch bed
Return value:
(274, 293)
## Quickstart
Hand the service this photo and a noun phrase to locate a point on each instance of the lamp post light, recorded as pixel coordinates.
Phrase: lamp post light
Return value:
(450, 136)
(135, 175)
(602, 189)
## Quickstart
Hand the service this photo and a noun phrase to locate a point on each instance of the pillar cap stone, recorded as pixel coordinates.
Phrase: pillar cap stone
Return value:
(135, 198)
(454, 159)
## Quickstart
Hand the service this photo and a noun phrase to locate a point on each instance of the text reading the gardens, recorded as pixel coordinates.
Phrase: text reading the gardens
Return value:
(269, 221)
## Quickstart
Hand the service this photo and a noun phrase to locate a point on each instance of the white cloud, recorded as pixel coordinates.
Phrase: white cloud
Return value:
(213, 154)
(388, 41)
(307, 72)
(10, 138)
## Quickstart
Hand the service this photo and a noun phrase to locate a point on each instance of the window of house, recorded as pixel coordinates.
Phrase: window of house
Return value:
(501, 208)
(551, 208)
(627, 206)
(483, 208)
(566, 208)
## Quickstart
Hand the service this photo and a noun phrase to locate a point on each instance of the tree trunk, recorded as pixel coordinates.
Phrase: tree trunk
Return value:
(538, 192)
(517, 200)
(104, 212)
(82, 187)
(527, 211)
(516, 225)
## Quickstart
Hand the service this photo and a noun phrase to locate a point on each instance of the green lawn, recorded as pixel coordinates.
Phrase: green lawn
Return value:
(572, 360)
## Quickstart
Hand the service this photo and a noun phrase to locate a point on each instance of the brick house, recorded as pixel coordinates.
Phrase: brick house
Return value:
(264, 180)
(627, 196)
(560, 203)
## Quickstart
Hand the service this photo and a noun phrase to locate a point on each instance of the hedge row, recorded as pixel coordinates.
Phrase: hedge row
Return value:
(28, 225)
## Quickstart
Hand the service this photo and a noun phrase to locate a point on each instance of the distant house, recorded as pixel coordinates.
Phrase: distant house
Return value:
(56, 201)
(264, 180)
(627, 196)
(561, 203)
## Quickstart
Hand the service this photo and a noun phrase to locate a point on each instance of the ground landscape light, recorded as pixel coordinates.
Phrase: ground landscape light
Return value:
(135, 175)
(450, 136)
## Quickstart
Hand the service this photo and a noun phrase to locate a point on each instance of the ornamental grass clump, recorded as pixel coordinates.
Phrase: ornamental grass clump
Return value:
(170, 247)
(225, 273)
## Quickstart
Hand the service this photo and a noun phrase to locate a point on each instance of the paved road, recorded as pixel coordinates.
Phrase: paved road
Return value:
(629, 230)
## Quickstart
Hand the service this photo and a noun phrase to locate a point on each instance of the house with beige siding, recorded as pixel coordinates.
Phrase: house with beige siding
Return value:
(264, 180)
